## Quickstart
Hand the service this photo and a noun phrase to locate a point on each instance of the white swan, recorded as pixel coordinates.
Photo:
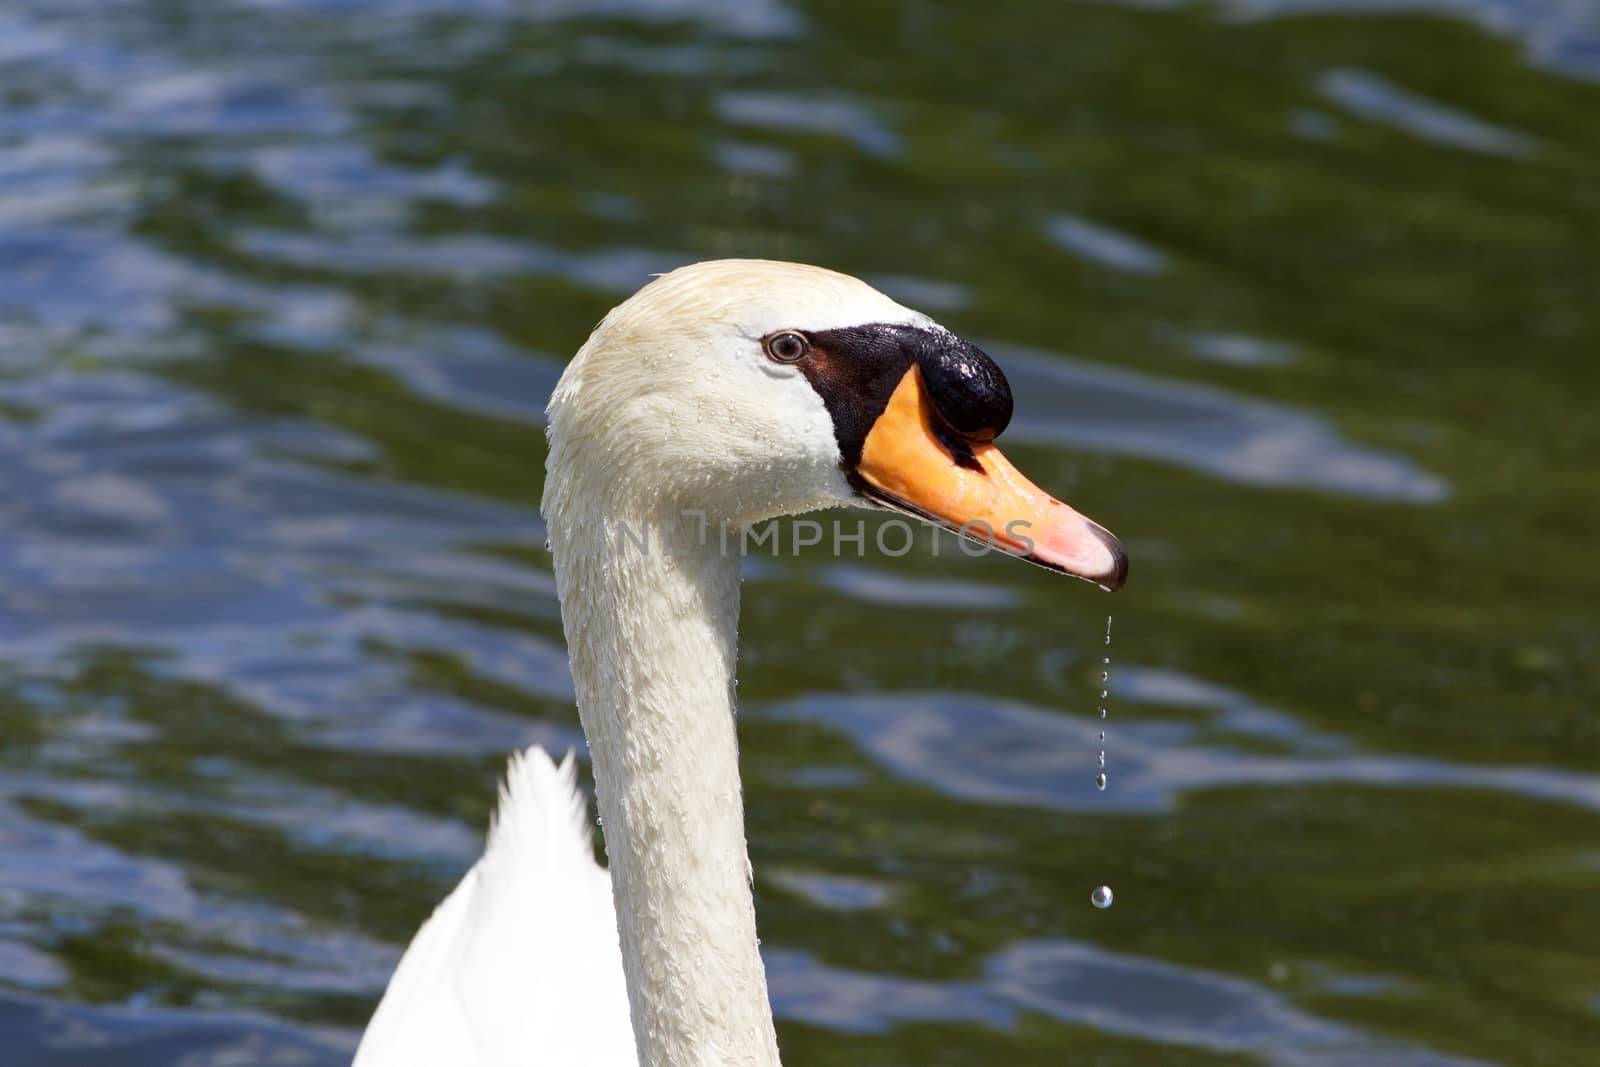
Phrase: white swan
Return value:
(719, 395)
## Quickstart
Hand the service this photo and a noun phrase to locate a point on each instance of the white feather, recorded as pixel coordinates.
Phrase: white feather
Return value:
(520, 964)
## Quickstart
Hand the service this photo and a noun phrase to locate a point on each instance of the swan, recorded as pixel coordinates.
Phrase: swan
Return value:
(719, 395)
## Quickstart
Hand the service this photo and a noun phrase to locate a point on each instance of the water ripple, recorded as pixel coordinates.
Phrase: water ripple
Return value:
(1105, 246)
(1092, 406)
(1373, 97)
(1081, 984)
(992, 751)
(43, 1033)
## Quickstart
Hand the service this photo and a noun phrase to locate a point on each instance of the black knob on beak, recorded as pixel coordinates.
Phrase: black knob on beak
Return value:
(965, 385)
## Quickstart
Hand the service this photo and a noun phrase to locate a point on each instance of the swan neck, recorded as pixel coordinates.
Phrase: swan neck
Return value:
(652, 632)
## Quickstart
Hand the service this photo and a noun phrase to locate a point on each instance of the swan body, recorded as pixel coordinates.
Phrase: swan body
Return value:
(719, 395)
(464, 992)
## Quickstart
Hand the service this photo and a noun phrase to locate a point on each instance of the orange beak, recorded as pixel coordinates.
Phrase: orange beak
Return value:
(912, 462)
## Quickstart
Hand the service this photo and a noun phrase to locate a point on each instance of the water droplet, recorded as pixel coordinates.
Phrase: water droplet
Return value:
(1102, 735)
(1101, 759)
(547, 545)
(1100, 780)
(1101, 897)
(1102, 713)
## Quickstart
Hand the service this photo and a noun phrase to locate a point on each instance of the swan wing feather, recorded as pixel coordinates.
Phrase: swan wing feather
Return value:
(520, 966)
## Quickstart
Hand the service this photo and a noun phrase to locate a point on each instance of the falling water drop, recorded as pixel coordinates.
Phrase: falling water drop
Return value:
(1105, 690)
(1101, 897)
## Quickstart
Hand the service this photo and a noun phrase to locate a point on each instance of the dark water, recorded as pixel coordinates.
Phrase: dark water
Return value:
(1297, 297)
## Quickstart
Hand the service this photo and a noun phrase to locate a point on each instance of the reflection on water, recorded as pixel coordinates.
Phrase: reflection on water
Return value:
(1563, 35)
(1074, 403)
(991, 751)
(1105, 246)
(1375, 98)
(1109, 992)
(1294, 296)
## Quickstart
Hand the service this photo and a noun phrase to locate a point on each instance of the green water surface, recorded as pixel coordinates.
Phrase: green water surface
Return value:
(1301, 303)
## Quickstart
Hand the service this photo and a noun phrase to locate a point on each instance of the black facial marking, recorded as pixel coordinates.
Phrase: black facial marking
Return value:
(856, 369)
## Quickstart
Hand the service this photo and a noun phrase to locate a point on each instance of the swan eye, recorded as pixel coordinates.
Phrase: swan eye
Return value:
(786, 347)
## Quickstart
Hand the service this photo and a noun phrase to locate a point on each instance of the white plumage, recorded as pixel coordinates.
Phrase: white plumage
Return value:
(520, 963)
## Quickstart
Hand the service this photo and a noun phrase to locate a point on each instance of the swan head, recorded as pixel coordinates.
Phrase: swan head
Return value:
(742, 390)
